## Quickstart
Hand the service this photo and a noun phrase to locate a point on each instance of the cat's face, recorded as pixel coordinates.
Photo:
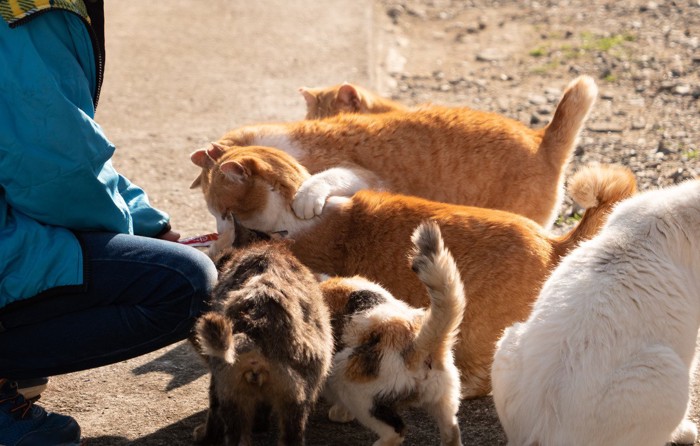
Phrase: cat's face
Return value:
(254, 184)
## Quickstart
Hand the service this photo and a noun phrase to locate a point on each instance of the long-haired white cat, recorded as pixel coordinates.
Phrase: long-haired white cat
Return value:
(606, 355)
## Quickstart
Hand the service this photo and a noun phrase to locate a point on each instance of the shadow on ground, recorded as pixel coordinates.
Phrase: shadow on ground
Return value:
(477, 417)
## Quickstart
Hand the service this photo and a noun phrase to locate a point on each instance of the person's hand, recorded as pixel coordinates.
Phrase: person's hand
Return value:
(170, 236)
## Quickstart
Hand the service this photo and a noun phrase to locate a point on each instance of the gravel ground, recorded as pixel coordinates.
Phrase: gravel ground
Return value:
(515, 58)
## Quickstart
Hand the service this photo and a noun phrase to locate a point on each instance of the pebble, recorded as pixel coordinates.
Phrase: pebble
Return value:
(638, 124)
(682, 90)
(490, 55)
(537, 99)
(604, 127)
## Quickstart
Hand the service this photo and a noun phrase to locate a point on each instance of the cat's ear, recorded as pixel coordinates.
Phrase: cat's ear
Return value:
(239, 171)
(216, 150)
(349, 96)
(308, 96)
(205, 158)
(200, 158)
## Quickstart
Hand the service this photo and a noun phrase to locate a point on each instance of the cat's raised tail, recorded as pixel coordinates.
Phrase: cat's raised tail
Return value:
(437, 269)
(597, 188)
(214, 334)
(561, 134)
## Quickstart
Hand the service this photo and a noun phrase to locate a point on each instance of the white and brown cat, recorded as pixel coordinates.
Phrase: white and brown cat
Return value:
(453, 155)
(504, 257)
(324, 102)
(390, 355)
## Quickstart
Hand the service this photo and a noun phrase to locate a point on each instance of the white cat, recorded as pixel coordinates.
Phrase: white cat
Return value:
(606, 356)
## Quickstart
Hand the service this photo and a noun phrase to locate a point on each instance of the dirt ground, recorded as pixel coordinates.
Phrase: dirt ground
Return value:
(511, 57)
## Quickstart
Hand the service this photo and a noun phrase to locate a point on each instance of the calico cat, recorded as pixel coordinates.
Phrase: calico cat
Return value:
(453, 155)
(504, 257)
(264, 294)
(389, 355)
(607, 354)
(345, 98)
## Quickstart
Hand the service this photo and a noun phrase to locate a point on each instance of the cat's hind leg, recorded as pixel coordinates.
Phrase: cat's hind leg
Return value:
(444, 411)
(212, 430)
(292, 423)
(376, 415)
(645, 400)
(686, 432)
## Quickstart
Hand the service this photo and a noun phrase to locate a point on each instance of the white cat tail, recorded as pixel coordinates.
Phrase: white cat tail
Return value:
(597, 188)
(437, 269)
(214, 337)
(561, 134)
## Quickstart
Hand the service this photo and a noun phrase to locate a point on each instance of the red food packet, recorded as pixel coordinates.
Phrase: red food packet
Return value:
(200, 240)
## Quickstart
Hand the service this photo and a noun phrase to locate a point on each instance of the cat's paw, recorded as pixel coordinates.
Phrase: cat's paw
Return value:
(340, 414)
(199, 433)
(310, 198)
(685, 433)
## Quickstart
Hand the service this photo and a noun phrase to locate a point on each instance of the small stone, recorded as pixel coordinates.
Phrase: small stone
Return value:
(536, 99)
(682, 89)
(604, 127)
(395, 11)
(650, 6)
(639, 124)
(662, 148)
(534, 119)
(490, 55)
(608, 96)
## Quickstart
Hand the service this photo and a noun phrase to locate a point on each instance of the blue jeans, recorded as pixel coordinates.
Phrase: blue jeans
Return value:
(139, 294)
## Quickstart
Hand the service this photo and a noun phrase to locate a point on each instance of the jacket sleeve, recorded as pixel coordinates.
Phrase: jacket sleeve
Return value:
(55, 161)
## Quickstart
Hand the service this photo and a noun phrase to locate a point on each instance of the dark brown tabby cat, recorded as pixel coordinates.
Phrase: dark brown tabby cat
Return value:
(264, 295)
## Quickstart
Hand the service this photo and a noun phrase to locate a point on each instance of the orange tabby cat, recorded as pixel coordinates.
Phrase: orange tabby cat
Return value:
(345, 98)
(503, 257)
(452, 155)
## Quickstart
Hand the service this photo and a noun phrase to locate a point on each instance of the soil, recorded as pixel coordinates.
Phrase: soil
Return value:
(511, 57)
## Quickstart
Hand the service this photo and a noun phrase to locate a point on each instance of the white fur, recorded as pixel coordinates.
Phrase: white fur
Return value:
(277, 216)
(276, 136)
(606, 356)
(312, 194)
(437, 389)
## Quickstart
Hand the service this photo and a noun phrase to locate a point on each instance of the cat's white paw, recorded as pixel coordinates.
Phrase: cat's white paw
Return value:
(340, 414)
(685, 433)
(310, 198)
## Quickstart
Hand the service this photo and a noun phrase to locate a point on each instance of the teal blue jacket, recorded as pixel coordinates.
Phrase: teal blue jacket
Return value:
(56, 176)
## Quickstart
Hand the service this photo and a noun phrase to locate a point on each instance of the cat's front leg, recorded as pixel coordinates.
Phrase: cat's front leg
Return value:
(336, 181)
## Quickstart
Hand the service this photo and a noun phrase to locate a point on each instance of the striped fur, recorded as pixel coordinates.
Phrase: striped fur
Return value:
(264, 295)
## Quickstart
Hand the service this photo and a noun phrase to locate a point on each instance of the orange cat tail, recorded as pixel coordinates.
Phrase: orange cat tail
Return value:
(214, 336)
(561, 134)
(597, 188)
(437, 269)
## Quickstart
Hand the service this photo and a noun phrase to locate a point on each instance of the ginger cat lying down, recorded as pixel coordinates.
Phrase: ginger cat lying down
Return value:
(453, 155)
(345, 98)
(503, 257)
